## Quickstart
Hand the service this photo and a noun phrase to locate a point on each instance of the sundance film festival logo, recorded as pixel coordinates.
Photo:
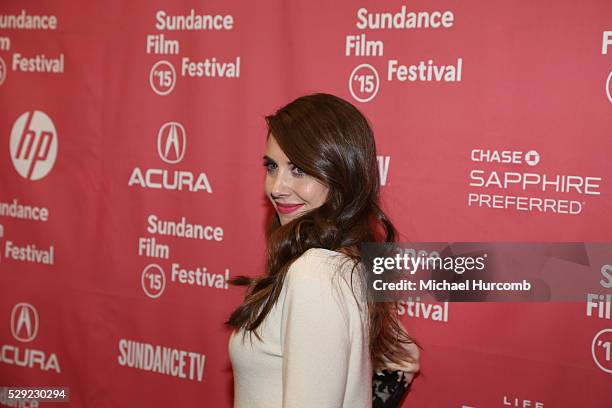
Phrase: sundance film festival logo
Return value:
(364, 83)
(162, 78)
(33, 145)
(24, 328)
(599, 305)
(601, 349)
(605, 44)
(2, 71)
(609, 87)
(153, 281)
(171, 148)
(24, 322)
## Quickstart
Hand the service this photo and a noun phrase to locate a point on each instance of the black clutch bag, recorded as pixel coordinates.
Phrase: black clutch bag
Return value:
(388, 388)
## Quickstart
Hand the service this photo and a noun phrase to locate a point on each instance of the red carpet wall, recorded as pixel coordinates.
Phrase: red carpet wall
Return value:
(131, 185)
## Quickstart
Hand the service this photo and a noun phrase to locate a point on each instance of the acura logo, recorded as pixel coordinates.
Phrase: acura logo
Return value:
(24, 322)
(171, 142)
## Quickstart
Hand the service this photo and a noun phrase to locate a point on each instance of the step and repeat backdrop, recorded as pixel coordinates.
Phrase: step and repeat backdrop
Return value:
(131, 184)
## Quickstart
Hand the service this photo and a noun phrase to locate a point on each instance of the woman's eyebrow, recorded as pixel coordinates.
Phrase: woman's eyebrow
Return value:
(267, 158)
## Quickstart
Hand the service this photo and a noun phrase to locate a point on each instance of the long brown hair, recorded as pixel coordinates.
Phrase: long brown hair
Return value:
(329, 139)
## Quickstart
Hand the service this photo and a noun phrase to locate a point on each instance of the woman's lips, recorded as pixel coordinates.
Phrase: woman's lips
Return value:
(287, 208)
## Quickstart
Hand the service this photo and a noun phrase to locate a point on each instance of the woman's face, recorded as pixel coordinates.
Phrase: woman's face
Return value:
(291, 191)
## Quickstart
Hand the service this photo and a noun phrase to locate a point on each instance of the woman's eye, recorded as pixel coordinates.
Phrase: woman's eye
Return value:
(298, 172)
(270, 167)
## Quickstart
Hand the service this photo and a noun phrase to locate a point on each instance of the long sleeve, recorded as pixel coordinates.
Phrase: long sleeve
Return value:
(320, 324)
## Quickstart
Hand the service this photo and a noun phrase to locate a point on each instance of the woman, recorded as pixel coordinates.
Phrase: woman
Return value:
(307, 334)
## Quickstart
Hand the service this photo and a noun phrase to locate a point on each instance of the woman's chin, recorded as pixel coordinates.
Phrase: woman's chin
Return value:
(287, 218)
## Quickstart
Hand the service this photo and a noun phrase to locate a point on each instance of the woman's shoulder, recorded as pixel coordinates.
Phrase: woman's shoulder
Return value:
(323, 253)
(321, 260)
(326, 267)
(326, 278)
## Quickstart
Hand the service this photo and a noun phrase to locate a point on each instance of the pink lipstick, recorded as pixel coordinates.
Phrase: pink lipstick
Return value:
(287, 208)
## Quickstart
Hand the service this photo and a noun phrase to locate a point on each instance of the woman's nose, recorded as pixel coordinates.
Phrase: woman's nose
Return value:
(281, 186)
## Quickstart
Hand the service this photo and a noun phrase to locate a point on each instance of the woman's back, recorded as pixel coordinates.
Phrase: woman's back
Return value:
(313, 350)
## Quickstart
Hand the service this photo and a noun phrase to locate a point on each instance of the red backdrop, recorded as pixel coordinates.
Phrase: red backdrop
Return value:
(121, 120)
